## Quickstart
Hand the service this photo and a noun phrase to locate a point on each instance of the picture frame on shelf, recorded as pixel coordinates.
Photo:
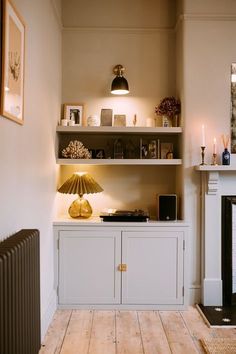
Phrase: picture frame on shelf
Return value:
(153, 149)
(119, 120)
(74, 112)
(167, 150)
(106, 117)
(13, 64)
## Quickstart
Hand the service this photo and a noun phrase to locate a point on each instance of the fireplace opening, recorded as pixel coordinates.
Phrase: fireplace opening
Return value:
(229, 250)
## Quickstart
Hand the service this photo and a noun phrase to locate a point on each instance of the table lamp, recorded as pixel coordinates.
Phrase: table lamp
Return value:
(80, 183)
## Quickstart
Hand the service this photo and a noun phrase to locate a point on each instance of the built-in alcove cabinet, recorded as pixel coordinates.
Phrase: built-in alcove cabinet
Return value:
(121, 265)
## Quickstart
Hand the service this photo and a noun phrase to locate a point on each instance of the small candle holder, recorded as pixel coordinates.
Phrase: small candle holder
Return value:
(203, 155)
(214, 158)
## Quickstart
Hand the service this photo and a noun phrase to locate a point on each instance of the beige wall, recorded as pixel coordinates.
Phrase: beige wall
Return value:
(28, 170)
(139, 36)
(123, 13)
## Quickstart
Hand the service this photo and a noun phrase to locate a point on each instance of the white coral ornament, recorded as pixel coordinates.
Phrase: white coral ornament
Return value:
(76, 150)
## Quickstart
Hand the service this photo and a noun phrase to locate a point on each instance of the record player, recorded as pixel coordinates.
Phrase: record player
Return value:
(136, 215)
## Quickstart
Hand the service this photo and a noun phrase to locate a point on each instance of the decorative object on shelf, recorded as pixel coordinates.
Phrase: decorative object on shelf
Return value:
(233, 108)
(92, 153)
(64, 122)
(74, 112)
(135, 120)
(166, 150)
(203, 145)
(13, 64)
(106, 117)
(71, 123)
(80, 183)
(143, 149)
(100, 154)
(166, 121)
(169, 108)
(226, 153)
(76, 150)
(119, 120)
(203, 155)
(118, 149)
(153, 148)
(130, 150)
(119, 85)
(214, 155)
(150, 122)
(93, 121)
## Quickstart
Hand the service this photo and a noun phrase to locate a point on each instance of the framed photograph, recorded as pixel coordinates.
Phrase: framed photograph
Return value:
(74, 112)
(153, 149)
(13, 63)
(119, 120)
(106, 117)
(166, 150)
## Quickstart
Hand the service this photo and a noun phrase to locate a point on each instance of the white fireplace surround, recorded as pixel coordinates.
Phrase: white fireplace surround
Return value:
(216, 181)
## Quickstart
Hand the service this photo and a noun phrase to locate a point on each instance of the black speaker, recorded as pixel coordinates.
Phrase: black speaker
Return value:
(167, 207)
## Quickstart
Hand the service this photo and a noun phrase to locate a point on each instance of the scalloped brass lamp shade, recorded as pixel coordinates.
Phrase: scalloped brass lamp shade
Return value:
(80, 183)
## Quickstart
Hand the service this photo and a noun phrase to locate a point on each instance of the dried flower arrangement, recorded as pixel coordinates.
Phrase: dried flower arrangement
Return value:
(76, 150)
(169, 106)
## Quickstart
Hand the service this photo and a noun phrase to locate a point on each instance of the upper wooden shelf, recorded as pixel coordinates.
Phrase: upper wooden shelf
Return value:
(122, 130)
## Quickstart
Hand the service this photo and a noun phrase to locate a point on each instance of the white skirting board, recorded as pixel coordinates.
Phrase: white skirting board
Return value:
(46, 317)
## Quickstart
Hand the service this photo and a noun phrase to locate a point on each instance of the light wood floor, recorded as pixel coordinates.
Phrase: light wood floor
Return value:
(129, 332)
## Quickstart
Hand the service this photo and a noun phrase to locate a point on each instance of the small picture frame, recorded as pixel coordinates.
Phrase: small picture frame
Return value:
(119, 120)
(106, 117)
(153, 149)
(74, 112)
(166, 150)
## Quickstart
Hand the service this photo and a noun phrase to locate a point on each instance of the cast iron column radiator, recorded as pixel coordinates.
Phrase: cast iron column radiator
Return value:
(20, 293)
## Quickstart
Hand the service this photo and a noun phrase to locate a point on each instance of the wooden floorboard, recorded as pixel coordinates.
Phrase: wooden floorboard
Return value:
(153, 335)
(128, 336)
(102, 338)
(56, 332)
(78, 333)
(129, 332)
(177, 333)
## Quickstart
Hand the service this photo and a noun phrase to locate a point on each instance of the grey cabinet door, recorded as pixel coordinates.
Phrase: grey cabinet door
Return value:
(155, 264)
(88, 267)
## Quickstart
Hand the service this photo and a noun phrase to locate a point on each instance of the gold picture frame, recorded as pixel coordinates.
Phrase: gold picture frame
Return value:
(74, 111)
(13, 64)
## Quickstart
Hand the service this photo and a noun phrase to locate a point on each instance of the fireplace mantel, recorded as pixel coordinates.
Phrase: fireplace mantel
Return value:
(213, 175)
(216, 181)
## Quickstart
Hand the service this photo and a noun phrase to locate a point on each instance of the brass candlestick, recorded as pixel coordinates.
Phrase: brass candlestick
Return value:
(214, 163)
(203, 155)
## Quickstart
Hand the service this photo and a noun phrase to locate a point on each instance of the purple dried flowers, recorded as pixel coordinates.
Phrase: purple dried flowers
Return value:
(169, 106)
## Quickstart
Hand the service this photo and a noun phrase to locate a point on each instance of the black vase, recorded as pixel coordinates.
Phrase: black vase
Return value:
(226, 157)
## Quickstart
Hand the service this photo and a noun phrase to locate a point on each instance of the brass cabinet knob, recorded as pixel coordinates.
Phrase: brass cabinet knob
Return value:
(122, 267)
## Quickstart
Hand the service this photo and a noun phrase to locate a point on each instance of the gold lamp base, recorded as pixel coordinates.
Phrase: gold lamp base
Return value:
(80, 208)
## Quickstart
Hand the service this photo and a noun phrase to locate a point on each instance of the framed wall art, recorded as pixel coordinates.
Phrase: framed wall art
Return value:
(13, 63)
(74, 112)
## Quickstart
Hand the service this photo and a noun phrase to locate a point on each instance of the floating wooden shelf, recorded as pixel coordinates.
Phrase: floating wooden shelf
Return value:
(132, 162)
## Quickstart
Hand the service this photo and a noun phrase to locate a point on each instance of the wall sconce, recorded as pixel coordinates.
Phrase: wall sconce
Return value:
(119, 85)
